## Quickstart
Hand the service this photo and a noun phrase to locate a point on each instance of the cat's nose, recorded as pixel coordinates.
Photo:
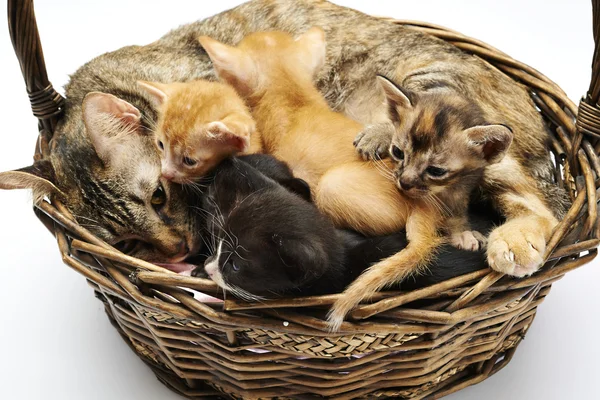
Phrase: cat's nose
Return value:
(210, 266)
(406, 184)
(168, 174)
(184, 248)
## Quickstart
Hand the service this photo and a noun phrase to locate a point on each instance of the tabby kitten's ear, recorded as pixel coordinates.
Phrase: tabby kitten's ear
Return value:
(490, 141)
(108, 121)
(218, 130)
(314, 48)
(231, 64)
(38, 177)
(158, 92)
(394, 93)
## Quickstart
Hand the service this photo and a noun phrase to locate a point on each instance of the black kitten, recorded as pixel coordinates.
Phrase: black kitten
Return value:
(268, 239)
(265, 238)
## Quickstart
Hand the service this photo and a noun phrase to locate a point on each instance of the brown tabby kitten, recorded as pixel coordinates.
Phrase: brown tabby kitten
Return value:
(441, 148)
(99, 189)
(200, 123)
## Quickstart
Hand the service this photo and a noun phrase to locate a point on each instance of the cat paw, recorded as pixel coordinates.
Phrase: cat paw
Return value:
(468, 240)
(374, 141)
(516, 248)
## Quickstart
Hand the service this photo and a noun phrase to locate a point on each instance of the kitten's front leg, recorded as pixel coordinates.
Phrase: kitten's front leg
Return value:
(374, 142)
(463, 238)
(422, 233)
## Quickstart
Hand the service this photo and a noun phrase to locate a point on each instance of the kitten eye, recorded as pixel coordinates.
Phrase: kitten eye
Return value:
(159, 198)
(397, 153)
(189, 162)
(436, 172)
(160, 145)
(234, 266)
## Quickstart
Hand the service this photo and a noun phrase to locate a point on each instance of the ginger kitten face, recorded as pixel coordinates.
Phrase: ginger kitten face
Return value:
(441, 143)
(200, 124)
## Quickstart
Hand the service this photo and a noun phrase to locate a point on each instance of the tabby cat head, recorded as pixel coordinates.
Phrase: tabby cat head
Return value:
(442, 142)
(104, 169)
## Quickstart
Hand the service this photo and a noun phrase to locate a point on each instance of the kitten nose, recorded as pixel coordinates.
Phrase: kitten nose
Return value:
(168, 174)
(406, 184)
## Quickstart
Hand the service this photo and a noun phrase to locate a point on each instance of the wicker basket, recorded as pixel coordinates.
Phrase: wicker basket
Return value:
(421, 344)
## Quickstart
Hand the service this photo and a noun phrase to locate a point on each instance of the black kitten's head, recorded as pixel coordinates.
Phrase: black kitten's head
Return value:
(266, 239)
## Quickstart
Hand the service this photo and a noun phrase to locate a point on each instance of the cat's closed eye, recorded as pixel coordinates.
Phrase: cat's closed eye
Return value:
(160, 145)
(436, 172)
(235, 266)
(397, 153)
(190, 162)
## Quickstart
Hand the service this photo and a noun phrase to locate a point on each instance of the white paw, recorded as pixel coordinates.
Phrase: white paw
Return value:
(468, 240)
(516, 248)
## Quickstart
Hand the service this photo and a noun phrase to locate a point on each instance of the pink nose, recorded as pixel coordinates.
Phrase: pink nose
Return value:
(168, 174)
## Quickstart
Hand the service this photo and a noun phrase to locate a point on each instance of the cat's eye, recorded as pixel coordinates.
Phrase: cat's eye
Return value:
(397, 153)
(436, 171)
(189, 162)
(160, 145)
(159, 197)
(234, 266)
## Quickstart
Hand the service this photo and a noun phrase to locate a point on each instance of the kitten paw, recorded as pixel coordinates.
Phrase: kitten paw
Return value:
(468, 240)
(516, 248)
(374, 141)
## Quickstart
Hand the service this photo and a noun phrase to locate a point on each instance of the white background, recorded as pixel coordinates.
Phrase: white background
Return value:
(56, 342)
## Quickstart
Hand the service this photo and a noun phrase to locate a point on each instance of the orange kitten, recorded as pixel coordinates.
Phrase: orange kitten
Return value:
(274, 73)
(200, 123)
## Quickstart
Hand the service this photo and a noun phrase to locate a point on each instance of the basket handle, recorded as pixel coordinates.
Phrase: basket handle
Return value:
(46, 103)
(588, 116)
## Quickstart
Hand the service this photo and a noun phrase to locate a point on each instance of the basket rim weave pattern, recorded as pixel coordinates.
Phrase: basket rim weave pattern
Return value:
(281, 348)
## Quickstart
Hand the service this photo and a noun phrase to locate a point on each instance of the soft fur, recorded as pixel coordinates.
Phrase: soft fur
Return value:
(114, 200)
(267, 239)
(273, 71)
(200, 123)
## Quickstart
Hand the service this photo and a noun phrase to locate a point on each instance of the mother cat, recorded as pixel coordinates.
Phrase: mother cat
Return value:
(107, 118)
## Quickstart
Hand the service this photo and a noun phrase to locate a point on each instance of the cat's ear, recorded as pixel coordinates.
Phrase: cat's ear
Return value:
(491, 142)
(302, 259)
(396, 96)
(298, 186)
(38, 177)
(314, 48)
(220, 131)
(106, 119)
(231, 64)
(158, 92)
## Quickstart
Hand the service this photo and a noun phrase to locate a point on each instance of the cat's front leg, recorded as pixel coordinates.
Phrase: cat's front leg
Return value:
(462, 237)
(374, 141)
(517, 247)
(468, 240)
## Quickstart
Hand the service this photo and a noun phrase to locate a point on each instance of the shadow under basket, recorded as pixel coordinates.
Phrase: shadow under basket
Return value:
(409, 345)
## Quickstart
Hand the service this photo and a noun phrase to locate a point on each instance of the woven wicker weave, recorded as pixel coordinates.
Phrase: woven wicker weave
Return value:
(421, 344)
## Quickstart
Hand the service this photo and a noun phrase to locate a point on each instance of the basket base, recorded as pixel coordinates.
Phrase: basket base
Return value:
(453, 380)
